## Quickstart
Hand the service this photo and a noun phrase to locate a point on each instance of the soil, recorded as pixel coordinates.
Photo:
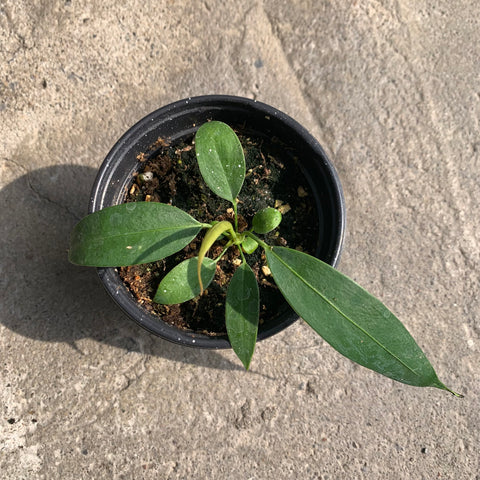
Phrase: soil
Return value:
(273, 179)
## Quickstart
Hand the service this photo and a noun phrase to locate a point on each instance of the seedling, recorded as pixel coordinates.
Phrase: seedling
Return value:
(350, 319)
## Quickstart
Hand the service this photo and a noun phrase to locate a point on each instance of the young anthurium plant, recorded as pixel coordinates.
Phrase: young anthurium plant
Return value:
(350, 319)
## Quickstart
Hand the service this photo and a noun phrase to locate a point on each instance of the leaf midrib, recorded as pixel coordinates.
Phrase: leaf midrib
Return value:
(152, 230)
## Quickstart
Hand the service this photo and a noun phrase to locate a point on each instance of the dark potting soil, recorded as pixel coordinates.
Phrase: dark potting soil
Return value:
(273, 179)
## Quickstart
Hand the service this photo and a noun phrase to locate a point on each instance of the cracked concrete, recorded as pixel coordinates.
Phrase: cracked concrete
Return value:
(391, 90)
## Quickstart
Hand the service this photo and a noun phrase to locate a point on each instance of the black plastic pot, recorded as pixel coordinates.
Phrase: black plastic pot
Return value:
(181, 119)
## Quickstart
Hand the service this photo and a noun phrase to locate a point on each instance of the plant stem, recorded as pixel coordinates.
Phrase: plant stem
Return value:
(227, 246)
(260, 242)
(241, 253)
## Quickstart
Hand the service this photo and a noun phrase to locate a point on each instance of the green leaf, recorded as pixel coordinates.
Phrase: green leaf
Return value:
(220, 158)
(241, 313)
(266, 220)
(181, 283)
(131, 233)
(249, 245)
(350, 319)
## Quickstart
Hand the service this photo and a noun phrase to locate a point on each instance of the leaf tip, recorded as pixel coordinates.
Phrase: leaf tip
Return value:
(246, 364)
(455, 394)
(442, 386)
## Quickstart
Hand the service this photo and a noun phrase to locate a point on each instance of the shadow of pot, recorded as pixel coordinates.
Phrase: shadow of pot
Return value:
(180, 120)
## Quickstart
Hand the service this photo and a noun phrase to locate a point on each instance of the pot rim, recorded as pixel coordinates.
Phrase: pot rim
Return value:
(133, 137)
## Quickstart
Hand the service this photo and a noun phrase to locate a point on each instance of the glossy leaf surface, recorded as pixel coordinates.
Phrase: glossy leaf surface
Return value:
(241, 313)
(131, 233)
(221, 159)
(266, 220)
(181, 283)
(249, 245)
(350, 319)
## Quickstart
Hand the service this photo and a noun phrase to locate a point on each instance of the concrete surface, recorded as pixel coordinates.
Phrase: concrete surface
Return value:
(391, 89)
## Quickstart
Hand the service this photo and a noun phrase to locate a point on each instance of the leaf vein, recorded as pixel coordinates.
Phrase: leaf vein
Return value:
(153, 230)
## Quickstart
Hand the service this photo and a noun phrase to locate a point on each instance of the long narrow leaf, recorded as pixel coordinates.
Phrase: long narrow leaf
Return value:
(209, 239)
(181, 283)
(221, 159)
(350, 319)
(241, 313)
(131, 233)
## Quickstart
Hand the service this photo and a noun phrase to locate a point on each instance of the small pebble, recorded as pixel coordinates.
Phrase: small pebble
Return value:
(283, 209)
(301, 192)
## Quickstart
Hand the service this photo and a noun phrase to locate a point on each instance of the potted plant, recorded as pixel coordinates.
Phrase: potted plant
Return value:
(118, 234)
